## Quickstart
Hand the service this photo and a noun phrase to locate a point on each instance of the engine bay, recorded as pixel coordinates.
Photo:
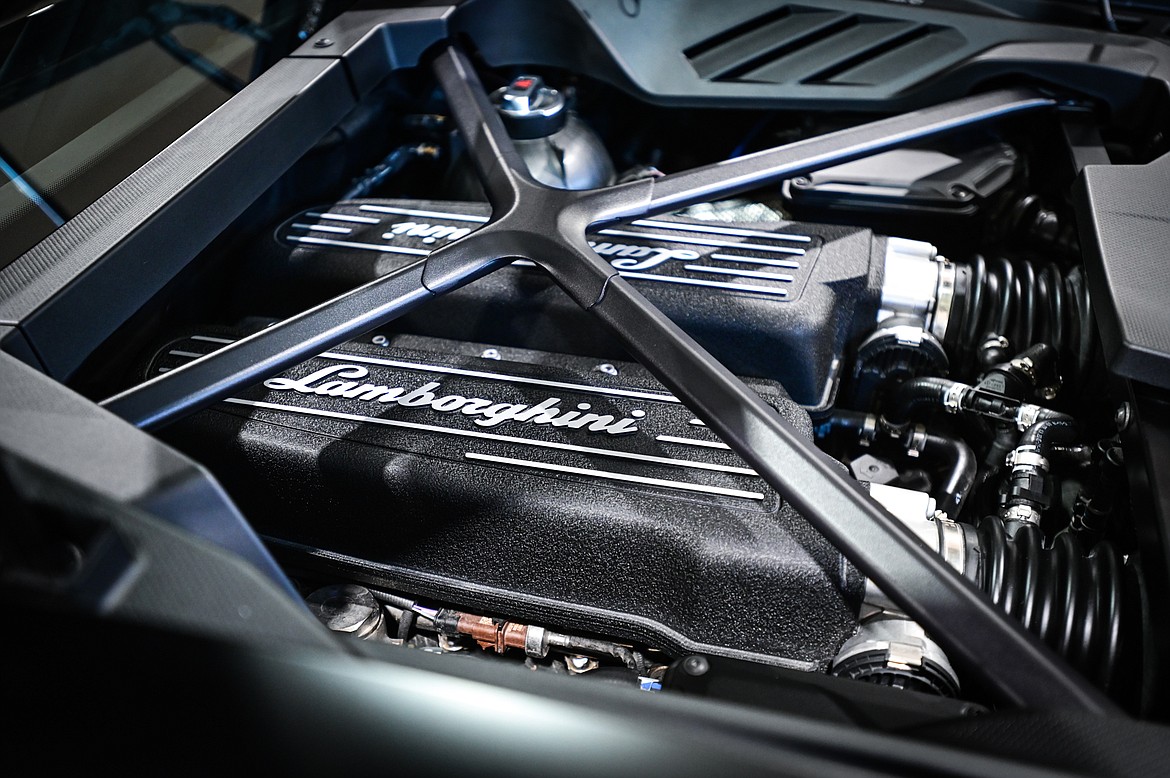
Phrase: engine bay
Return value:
(497, 453)
(494, 476)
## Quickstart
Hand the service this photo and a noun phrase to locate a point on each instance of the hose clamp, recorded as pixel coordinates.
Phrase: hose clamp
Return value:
(1026, 457)
(1021, 513)
(1026, 366)
(917, 440)
(945, 298)
(995, 341)
(1027, 415)
(869, 430)
(952, 543)
(953, 399)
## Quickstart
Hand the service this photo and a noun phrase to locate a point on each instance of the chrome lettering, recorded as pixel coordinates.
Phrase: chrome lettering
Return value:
(627, 257)
(428, 232)
(328, 382)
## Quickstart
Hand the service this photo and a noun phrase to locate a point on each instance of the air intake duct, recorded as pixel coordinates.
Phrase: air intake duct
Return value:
(1011, 304)
(1070, 599)
(1077, 602)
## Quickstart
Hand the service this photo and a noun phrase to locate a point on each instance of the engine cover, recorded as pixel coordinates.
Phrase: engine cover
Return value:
(535, 485)
(771, 299)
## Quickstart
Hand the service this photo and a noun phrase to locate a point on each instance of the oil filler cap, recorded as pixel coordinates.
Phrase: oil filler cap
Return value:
(529, 108)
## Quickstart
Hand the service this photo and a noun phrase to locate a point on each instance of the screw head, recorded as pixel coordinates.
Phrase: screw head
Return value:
(960, 192)
(696, 665)
(1123, 416)
(322, 43)
(607, 368)
(380, 340)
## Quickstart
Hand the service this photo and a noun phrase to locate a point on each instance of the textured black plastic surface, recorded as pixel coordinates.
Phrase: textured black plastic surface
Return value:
(134, 566)
(642, 524)
(61, 439)
(1124, 223)
(373, 42)
(777, 300)
(845, 54)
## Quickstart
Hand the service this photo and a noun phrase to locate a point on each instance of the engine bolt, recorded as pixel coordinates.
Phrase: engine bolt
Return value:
(1123, 416)
(578, 664)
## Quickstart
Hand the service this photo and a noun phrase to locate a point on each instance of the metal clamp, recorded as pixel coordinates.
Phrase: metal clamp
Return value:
(1027, 415)
(1026, 457)
(953, 399)
(536, 642)
(917, 440)
(952, 542)
(945, 297)
(1022, 513)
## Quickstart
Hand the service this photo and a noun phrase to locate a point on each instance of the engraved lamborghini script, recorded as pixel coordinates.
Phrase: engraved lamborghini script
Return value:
(344, 381)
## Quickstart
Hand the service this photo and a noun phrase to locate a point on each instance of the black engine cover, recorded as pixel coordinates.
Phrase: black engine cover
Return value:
(779, 300)
(531, 485)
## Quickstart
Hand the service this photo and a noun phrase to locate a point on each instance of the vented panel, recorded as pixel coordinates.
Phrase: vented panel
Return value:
(801, 45)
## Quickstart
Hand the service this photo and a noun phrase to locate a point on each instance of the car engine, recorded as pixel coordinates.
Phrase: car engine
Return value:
(498, 476)
(497, 453)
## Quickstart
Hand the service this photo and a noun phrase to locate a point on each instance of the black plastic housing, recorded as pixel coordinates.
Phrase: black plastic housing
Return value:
(798, 295)
(1124, 231)
(643, 526)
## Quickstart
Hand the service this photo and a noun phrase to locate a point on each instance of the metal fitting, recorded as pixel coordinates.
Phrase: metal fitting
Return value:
(1123, 416)
(917, 440)
(578, 664)
(994, 342)
(945, 298)
(953, 399)
(869, 430)
(903, 648)
(910, 286)
(349, 609)
(536, 642)
(1026, 457)
(908, 335)
(952, 542)
(1026, 366)
(1021, 513)
(1027, 415)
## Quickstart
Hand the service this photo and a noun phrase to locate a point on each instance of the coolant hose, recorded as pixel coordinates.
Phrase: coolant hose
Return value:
(1052, 429)
(913, 394)
(961, 466)
(960, 474)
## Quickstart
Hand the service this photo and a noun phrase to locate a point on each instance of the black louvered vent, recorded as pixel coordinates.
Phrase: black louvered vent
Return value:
(800, 45)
